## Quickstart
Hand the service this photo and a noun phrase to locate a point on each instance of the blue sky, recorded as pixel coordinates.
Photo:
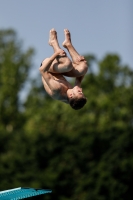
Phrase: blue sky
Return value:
(97, 26)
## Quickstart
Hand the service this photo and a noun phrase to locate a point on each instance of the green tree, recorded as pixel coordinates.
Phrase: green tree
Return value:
(87, 154)
(84, 154)
(14, 68)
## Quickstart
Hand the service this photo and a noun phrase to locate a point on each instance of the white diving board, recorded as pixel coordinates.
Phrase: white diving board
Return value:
(21, 193)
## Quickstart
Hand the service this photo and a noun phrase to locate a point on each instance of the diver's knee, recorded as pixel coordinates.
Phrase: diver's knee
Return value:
(43, 64)
(45, 60)
(83, 67)
(68, 64)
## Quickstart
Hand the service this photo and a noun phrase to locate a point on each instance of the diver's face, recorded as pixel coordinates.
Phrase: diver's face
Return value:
(77, 92)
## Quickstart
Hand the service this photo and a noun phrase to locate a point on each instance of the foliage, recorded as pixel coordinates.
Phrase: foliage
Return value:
(85, 154)
(14, 67)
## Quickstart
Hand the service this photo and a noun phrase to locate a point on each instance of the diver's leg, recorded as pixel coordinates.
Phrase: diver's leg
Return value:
(62, 63)
(79, 63)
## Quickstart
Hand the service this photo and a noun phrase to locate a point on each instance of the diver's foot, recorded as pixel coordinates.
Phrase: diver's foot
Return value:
(67, 40)
(52, 37)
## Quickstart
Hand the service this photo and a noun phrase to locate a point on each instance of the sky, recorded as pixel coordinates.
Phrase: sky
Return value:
(97, 26)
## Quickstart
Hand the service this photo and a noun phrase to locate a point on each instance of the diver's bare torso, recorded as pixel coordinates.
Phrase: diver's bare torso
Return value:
(59, 86)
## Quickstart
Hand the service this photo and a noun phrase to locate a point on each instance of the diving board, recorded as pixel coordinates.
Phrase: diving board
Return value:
(21, 193)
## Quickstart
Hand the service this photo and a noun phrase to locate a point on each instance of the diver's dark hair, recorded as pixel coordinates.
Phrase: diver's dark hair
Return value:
(77, 103)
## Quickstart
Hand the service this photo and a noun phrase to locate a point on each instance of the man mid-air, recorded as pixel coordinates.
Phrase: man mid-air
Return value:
(54, 69)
